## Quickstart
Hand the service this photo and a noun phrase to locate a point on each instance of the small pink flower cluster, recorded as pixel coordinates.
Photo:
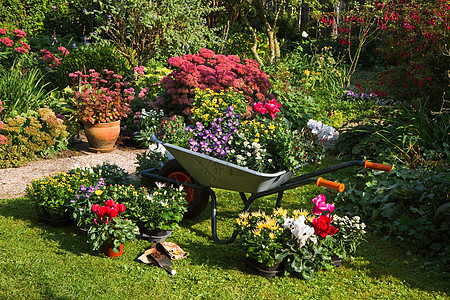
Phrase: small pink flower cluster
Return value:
(50, 58)
(320, 205)
(207, 70)
(110, 210)
(19, 36)
(272, 107)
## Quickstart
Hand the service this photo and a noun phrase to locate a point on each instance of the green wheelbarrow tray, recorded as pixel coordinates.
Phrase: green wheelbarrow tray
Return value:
(203, 172)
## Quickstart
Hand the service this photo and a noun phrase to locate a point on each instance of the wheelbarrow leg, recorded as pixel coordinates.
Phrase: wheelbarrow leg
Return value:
(279, 198)
(214, 221)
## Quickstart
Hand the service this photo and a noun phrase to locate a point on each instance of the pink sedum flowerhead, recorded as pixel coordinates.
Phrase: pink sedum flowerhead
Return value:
(2, 31)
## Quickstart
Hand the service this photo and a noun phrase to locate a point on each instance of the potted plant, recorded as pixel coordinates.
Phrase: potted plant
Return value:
(101, 103)
(159, 211)
(110, 230)
(51, 196)
(299, 242)
(262, 237)
(82, 203)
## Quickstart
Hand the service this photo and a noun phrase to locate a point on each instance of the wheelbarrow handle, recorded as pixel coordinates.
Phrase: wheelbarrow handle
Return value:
(330, 184)
(376, 166)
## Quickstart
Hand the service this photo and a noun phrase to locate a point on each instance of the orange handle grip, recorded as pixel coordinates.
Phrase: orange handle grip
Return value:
(376, 166)
(330, 184)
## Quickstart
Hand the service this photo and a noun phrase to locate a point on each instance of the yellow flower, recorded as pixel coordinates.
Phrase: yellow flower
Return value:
(307, 72)
(98, 192)
(272, 127)
(256, 140)
(272, 235)
(280, 212)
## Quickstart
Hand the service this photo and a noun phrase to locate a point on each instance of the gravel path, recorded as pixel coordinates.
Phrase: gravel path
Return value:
(13, 181)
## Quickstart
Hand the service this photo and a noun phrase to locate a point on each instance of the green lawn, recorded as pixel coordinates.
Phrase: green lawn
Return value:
(39, 261)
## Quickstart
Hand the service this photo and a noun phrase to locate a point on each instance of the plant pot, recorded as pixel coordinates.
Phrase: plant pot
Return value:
(108, 250)
(54, 219)
(102, 137)
(155, 235)
(263, 269)
(336, 261)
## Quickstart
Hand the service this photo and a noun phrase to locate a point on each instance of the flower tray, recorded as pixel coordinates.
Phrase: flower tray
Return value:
(263, 270)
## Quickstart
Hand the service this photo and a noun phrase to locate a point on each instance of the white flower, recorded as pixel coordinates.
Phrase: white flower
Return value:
(300, 230)
(160, 185)
(304, 34)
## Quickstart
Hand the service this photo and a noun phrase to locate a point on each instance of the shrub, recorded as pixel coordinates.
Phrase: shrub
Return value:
(407, 134)
(53, 193)
(410, 205)
(13, 46)
(40, 133)
(98, 57)
(206, 70)
(157, 29)
(21, 91)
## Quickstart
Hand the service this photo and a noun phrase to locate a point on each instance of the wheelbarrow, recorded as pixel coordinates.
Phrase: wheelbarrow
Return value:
(199, 173)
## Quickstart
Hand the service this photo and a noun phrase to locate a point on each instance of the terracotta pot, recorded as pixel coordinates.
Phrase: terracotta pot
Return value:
(109, 250)
(102, 137)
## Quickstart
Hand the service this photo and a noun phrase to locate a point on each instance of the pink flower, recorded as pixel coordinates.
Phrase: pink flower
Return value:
(8, 42)
(19, 33)
(21, 49)
(259, 107)
(25, 45)
(175, 61)
(272, 107)
(320, 205)
(206, 53)
(64, 50)
(95, 207)
(2, 31)
(3, 139)
(139, 70)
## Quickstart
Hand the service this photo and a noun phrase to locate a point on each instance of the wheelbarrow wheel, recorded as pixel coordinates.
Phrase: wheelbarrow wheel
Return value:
(197, 199)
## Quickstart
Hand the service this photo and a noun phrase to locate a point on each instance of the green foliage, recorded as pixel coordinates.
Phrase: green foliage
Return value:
(21, 91)
(40, 133)
(53, 193)
(84, 58)
(161, 208)
(164, 28)
(115, 232)
(26, 14)
(149, 160)
(310, 86)
(410, 205)
(408, 134)
(111, 173)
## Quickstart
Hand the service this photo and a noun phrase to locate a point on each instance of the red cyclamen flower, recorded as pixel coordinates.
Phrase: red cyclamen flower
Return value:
(322, 226)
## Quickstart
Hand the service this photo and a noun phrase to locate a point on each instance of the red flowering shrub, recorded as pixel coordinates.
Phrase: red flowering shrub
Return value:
(207, 70)
(12, 45)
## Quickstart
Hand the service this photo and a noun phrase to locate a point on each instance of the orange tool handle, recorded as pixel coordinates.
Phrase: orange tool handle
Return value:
(376, 166)
(330, 184)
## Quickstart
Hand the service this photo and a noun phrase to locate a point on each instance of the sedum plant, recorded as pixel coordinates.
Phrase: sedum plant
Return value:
(217, 72)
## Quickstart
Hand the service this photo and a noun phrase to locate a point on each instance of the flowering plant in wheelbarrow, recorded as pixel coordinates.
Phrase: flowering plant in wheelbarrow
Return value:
(262, 140)
(300, 241)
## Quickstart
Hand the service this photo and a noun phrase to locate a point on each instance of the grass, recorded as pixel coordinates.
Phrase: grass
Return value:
(39, 261)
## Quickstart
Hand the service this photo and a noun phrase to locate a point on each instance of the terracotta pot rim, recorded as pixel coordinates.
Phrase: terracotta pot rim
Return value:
(99, 124)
